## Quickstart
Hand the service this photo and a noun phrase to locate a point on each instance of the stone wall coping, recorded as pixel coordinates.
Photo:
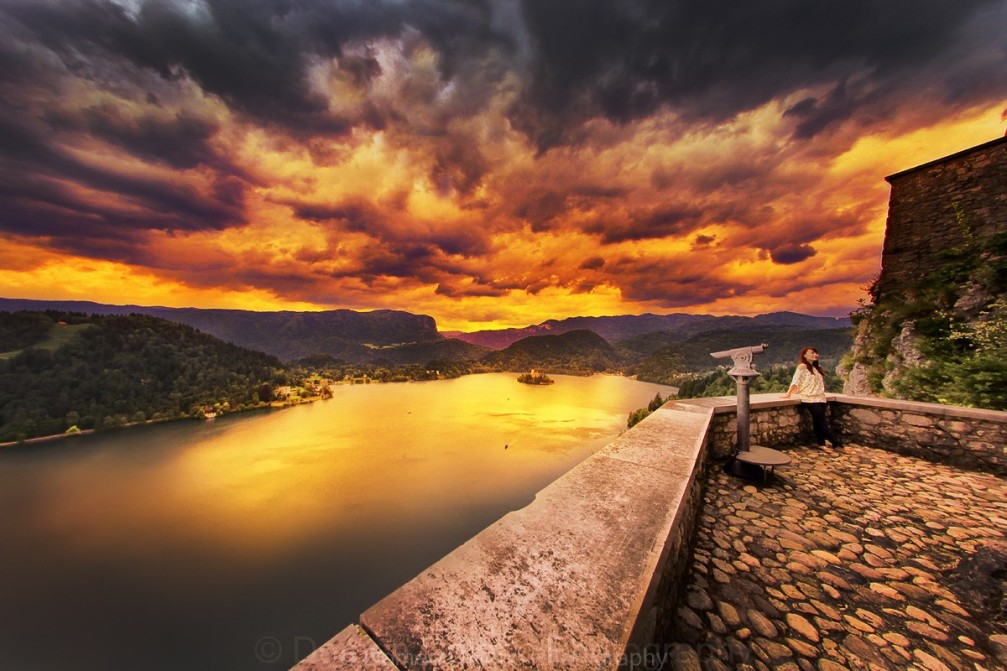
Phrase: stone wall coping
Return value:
(728, 404)
(349, 650)
(998, 416)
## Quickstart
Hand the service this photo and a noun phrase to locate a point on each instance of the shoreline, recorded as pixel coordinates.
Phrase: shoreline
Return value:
(273, 405)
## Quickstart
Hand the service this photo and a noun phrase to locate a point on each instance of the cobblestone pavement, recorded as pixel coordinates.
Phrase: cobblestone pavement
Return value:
(848, 559)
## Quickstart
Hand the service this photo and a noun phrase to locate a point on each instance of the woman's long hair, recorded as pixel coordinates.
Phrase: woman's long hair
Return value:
(809, 364)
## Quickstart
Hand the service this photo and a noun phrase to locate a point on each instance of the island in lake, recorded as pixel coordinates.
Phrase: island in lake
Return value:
(535, 377)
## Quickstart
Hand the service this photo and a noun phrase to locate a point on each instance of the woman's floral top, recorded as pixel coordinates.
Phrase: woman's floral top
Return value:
(810, 385)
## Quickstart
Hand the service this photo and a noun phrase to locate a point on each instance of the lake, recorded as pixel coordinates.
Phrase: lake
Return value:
(246, 541)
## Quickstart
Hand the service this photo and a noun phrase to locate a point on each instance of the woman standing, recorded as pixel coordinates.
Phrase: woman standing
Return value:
(809, 383)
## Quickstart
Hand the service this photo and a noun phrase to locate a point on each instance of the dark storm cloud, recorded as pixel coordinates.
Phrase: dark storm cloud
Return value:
(711, 60)
(792, 253)
(708, 60)
(181, 141)
(671, 283)
(360, 216)
(35, 173)
(541, 207)
(254, 54)
(459, 167)
(817, 115)
(651, 224)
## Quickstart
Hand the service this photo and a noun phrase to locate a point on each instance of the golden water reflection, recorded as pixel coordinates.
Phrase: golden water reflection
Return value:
(374, 456)
(288, 523)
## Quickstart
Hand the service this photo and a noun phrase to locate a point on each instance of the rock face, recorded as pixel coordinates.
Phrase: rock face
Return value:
(905, 352)
(854, 371)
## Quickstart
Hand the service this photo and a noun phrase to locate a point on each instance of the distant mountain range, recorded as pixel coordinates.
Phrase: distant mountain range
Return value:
(391, 337)
(674, 327)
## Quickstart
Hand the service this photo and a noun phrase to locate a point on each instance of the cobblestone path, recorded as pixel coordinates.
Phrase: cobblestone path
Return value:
(848, 559)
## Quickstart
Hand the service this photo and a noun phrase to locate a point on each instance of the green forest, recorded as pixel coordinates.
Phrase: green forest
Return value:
(771, 380)
(667, 364)
(118, 370)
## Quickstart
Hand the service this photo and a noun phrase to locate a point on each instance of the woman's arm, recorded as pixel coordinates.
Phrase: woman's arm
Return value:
(801, 371)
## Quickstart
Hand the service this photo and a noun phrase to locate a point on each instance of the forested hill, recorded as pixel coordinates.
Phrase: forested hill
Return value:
(573, 353)
(352, 336)
(101, 371)
(665, 363)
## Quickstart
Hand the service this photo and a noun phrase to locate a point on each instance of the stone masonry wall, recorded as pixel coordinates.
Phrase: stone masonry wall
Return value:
(672, 572)
(963, 437)
(772, 426)
(933, 205)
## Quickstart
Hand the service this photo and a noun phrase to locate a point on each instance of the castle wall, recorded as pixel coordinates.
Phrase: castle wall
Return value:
(936, 206)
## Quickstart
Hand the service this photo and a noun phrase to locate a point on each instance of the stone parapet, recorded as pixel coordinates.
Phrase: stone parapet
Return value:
(964, 437)
(773, 422)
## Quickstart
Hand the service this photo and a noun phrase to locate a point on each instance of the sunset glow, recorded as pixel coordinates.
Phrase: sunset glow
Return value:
(489, 164)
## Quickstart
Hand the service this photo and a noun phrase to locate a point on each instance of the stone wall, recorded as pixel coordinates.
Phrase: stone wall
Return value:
(936, 206)
(773, 422)
(963, 437)
(775, 425)
(661, 617)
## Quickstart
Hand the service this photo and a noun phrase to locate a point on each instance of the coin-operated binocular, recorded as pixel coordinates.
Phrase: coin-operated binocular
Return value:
(742, 357)
(746, 453)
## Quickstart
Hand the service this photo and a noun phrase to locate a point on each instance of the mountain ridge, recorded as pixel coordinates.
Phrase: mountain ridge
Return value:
(616, 328)
(397, 337)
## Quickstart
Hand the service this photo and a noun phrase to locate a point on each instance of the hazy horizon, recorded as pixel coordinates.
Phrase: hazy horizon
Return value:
(439, 328)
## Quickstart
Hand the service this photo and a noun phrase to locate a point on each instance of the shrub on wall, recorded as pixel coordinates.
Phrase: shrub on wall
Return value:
(944, 338)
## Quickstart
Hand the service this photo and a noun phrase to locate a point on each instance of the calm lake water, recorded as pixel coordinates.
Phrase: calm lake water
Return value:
(244, 542)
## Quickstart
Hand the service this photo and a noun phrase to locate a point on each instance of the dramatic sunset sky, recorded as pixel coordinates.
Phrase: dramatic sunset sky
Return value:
(490, 163)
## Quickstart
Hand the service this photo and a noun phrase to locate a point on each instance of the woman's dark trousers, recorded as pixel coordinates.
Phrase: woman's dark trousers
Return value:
(820, 422)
